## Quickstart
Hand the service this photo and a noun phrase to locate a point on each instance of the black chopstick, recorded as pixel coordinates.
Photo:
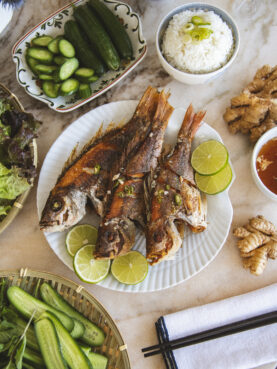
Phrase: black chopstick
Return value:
(225, 330)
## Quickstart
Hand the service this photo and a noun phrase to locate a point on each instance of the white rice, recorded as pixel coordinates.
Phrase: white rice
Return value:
(202, 56)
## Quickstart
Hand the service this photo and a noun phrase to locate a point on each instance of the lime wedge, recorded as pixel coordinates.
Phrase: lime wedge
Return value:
(79, 236)
(209, 158)
(216, 183)
(87, 268)
(130, 268)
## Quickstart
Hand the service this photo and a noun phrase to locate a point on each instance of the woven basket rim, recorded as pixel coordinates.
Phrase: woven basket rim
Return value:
(20, 200)
(26, 272)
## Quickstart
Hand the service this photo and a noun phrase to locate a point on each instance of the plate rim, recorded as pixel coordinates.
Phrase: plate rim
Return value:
(128, 288)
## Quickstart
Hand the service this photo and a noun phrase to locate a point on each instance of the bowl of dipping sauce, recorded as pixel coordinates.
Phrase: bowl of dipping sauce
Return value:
(197, 42)
(264, 164)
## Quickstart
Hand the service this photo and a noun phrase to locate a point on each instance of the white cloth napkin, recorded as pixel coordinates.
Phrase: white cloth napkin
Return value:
(239, 351)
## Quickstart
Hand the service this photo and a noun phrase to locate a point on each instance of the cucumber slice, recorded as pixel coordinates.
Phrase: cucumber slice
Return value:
(53, 46)
(45, 77)
(93, 79)
(66, 48)
(51, 89)
(93, 335)
(59, 60)
(41, 41)
(97, 361)
(68, 68)
(83, 74)
(69, 86)
(46, 69)
(84, 91)
(32, 64)
(72, 353)
(27, 366)
(33, 357)
(40, 54)
(26, 304)
(49, 344)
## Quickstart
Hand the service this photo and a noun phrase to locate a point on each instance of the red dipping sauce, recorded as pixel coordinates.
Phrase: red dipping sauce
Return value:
(266, 165)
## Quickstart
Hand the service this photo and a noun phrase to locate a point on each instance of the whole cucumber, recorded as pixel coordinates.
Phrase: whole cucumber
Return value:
(115, 29)
(97, 36)
(83, 49)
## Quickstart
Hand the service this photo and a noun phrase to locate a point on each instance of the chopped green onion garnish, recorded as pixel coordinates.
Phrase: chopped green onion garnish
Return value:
(129, 190)
(121, 194)
(97, 169)
(187, 27)
(178, 199)
(167, 187)
(187, 38)
(197, 20)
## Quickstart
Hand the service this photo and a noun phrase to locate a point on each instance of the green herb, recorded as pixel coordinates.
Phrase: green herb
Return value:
(129, 190)
(97, 169)
(167, 187)
(11, 184)
(178, 199)
(121, 194)
(199, 34)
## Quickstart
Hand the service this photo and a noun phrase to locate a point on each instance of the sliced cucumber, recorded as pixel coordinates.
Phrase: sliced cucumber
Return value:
(97, 361)
(42, 41)
(33, 357)
(49, 344)
(68, 68)
(51, 89)
(40, 54)
(53, 46)
(27, 304)
(69, 86)
(59, 60)
(93, 79)
(32, 64)
(83, 74)
(46, 69)
(93, 335)
(84, 91)
(66, 48)
(72, 353)
(28, 366)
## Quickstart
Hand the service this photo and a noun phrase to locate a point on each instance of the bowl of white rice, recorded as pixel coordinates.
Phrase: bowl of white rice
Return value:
(197, 42)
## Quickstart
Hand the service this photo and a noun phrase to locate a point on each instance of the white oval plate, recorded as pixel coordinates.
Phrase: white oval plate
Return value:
(198, 249)
(53, 26)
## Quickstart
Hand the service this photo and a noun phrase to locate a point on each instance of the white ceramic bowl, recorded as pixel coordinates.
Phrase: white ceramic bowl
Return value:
(193, 78)
(263, 139)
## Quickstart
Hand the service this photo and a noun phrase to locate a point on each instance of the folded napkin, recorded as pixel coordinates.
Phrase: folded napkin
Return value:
(238, 351)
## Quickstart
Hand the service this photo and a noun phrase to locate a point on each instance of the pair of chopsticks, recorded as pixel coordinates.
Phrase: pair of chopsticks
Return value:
(211, 334)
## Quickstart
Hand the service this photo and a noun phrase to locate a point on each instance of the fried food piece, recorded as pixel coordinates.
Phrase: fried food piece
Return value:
(257, 243)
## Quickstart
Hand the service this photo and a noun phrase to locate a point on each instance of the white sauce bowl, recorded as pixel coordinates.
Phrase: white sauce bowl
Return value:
(267, 136)
(195, 78)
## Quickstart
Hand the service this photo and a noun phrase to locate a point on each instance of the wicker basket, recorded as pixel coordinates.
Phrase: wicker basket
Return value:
(18, 204)
(113, 346)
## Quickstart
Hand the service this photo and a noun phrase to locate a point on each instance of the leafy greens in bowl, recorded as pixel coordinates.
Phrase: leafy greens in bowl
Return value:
(17, 155)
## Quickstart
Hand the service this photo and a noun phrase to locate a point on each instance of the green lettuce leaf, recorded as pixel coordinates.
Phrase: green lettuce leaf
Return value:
(11, 184)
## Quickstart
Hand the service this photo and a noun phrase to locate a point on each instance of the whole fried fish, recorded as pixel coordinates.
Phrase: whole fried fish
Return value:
(116, 234)
(175, 199)
(89, 175)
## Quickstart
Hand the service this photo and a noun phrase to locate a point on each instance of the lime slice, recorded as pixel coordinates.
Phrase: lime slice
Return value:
(79, 236)
(130, 268)
(87, 268)
(216, 183)
(209, 157)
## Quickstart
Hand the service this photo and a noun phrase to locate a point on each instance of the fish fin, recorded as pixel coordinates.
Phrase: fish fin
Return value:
(71, 158)
(197, 119)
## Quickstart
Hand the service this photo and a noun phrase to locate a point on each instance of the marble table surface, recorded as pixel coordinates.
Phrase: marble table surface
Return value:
(24, 245)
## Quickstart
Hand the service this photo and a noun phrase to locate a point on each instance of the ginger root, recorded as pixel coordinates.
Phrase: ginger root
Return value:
(257, 243)
(254, 111)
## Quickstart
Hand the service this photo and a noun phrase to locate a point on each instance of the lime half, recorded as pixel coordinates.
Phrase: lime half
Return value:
(130, 268)
(87, 268)
(79, 236)
(212, 185)
(209, 157)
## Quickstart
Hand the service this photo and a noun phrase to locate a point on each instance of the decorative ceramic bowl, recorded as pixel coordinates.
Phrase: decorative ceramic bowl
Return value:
(194, 78)
(53, 26)
(263, 140)
(113, 347)
(18, 203)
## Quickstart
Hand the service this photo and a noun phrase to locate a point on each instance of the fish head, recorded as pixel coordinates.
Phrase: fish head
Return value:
(116, 237)
(163, 241)
(62, 210)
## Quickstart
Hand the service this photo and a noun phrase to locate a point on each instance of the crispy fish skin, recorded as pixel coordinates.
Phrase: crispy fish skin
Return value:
(89, 175)
(175, 199)
(116, 234)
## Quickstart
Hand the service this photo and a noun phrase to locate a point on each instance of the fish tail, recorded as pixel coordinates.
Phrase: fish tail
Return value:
(147, 103)
(197, 119)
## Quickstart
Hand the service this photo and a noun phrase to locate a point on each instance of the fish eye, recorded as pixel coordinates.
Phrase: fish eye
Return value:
(56, 205)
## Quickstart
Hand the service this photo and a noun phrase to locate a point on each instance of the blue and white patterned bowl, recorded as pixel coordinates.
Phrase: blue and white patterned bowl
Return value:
(53, 26)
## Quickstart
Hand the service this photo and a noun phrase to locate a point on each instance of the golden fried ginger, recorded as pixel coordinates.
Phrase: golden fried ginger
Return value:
(254, 111)
(258, 243)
